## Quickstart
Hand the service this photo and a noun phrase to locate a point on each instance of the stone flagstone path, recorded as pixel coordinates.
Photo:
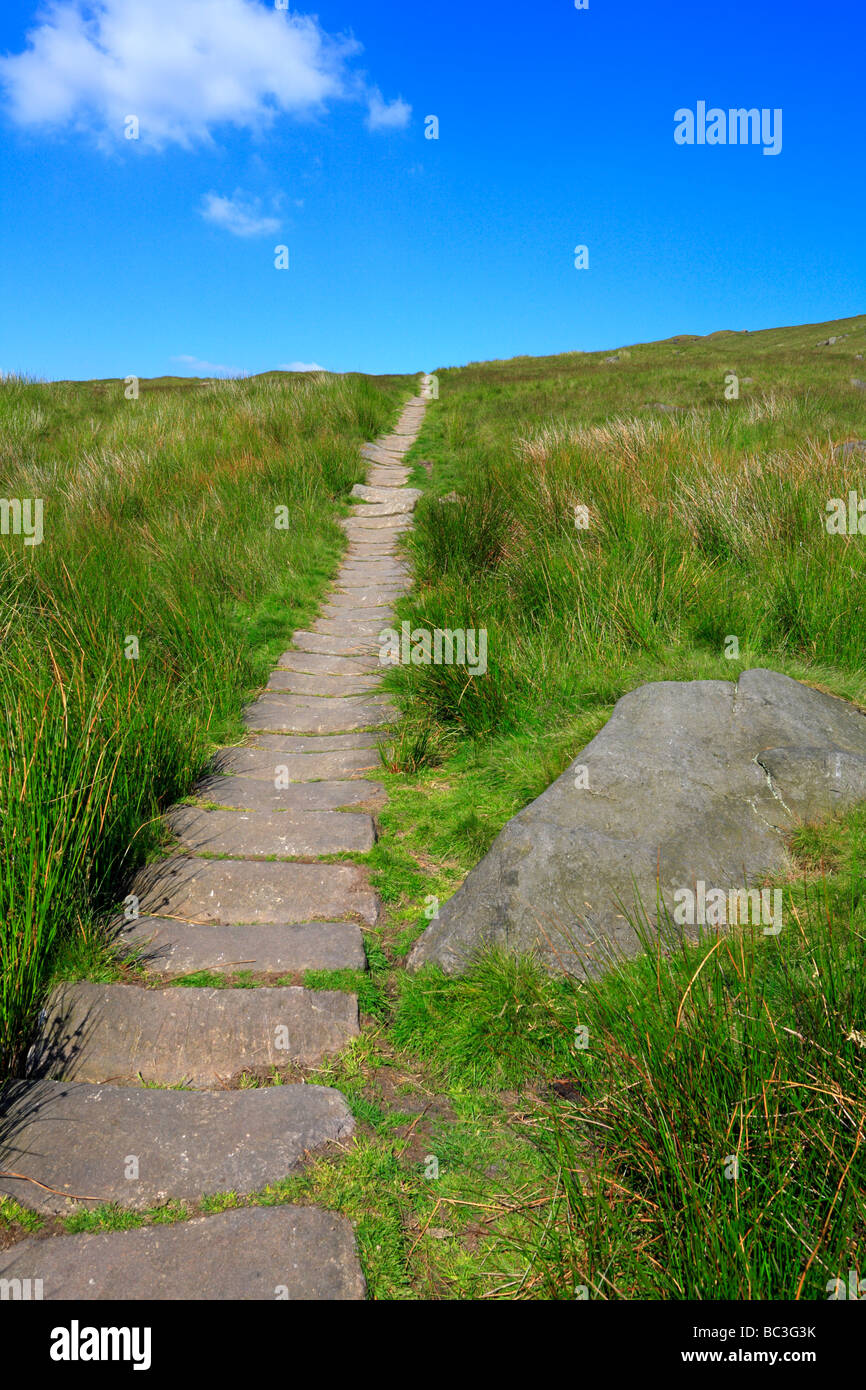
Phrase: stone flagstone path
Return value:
(246, 890)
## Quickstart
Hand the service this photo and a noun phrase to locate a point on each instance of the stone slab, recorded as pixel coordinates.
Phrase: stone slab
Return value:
(322, 664)
(334, 644)
(347, 610)
(291, 716)
(382, 549)
(363, 597)
(302, 683)
(385, 494)
(256, 794)
(385, 477)
(164, 947)
(391, 565)
(382, 537)
(264, 834)
(256, 1253)
(317, 743)
(261, 764)
(177, 1036)
(379, 544)
(360, 550)
(235, 892)
(352, 628)
(379, 453)
(398, 505)
(376, 547)
(367, 574)
(376, 700)
(79, 1138)
(356, 524)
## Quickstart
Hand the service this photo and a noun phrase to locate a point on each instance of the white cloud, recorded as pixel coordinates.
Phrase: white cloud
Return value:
(181, 66)
(240, 215)
(301, 367)
(386, 115)
(200, 368)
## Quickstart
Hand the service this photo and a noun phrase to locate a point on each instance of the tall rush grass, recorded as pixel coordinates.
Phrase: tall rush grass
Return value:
(707, 520)
(160, 524)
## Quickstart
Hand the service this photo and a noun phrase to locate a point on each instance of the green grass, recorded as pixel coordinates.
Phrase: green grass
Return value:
(711, 1141)
(499, 1026)
(160, 524)
(701, 525)
(704, 524)
(366, 984)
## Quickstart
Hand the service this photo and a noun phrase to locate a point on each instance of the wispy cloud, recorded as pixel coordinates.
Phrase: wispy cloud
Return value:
(198, 367)
(301, 367)
(240, 214)
(182, 67)
(386, 115)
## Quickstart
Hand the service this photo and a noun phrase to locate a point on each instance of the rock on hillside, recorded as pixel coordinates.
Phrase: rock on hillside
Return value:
(687, 783)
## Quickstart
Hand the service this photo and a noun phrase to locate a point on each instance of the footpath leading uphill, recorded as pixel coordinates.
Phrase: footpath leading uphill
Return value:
(253, 887)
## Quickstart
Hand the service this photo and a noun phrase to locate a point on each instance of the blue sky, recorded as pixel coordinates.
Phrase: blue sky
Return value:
(306, 128)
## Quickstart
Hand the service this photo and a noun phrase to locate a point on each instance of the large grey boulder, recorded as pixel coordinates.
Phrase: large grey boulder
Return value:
(688, 783)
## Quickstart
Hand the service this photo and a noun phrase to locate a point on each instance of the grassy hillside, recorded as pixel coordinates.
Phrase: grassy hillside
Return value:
(705, 519)
(160, 525)
(492, 1159)
(706, 522)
